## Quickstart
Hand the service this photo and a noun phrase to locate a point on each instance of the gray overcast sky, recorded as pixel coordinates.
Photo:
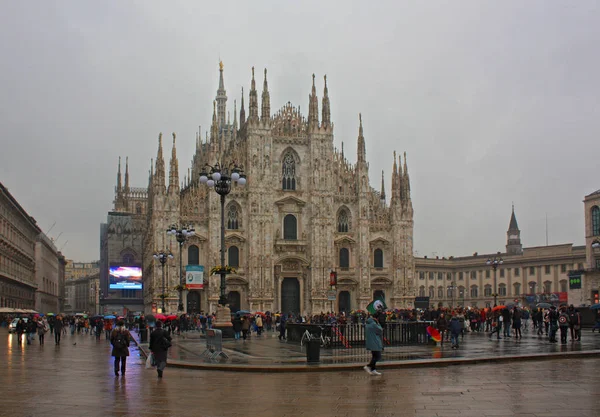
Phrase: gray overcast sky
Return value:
(494, 102)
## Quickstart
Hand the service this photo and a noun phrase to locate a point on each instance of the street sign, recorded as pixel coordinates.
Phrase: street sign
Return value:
(331, 295)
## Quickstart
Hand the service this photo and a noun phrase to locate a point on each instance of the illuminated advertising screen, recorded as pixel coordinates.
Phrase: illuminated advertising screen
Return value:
(125, 278)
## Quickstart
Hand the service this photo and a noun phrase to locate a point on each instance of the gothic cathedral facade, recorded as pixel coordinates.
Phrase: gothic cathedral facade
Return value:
(304, 212)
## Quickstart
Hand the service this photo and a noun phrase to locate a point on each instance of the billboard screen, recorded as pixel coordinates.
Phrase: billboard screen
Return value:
(125, 278)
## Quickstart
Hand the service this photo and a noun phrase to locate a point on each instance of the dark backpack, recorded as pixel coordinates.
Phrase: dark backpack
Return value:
(563, 319)
(121, 341)
(164, 343)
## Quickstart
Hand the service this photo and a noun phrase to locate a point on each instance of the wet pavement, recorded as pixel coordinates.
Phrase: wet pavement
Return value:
(76, 379)
(268, 350)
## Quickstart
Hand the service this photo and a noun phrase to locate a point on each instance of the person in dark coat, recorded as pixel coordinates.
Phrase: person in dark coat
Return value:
(157, 348)
(120, 352)
(373, 342)
(58, 326)
(237, 327)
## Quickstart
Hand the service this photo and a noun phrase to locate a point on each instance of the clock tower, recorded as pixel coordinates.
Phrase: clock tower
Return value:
(513, 242)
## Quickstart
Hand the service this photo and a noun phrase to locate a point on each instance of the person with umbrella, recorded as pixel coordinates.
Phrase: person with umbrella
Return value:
(160, 341)
(58, 325)
(496, 324)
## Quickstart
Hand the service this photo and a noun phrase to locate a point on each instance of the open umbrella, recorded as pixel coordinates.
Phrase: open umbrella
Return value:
(150, 318)
(172, 317)
(595, 307)
(49, 314)
(160, 317)
(543, 305)
(242, 312)
(109, 317)
(434, 334)
(500, 307)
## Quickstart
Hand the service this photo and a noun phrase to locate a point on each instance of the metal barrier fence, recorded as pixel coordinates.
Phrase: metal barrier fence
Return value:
(353, 335)
(214, 344)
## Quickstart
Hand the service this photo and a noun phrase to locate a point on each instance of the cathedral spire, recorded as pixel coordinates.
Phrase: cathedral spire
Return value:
(214, 128)
(326, 116)
(221, 97)
(406, 181)
(242, 111)
(266, 101)
(313, 107)
(119, 177)
(174, 168)
(382, 194)
(126, 174)
(361, 152)
(395, 181)
(253, 106)
(513, 235)
(235, 123)
(159, 172)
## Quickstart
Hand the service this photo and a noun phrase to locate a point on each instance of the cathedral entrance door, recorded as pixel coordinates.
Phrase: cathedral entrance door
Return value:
(378, 294)
(290, 296)
(193, 302)
(344, 302)
(233, 299)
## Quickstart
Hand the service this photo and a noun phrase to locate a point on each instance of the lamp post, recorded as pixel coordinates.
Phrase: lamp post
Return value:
(452, 288)
(162, 257)
(221, 177)
(494, 264)
(181, 235)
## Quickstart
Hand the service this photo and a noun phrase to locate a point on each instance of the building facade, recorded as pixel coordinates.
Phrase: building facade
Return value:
(47, 274)
(18, 235)
(528, 275)
(589, 292)
(76, 270)
(305, 211)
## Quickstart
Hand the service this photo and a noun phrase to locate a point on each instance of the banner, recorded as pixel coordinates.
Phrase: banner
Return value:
(194, 277)
(555, 298)
(375, 305)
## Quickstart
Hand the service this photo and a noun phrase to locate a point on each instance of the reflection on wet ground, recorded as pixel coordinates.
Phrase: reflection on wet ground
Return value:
(76, 379)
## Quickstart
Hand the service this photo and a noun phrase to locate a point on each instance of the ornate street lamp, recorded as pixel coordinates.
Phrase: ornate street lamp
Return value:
(220, 178)
(494, 264)
(452, 288)
(163, 256)
(181, 235)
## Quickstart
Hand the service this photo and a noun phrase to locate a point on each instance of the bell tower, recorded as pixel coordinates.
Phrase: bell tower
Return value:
(513, 241)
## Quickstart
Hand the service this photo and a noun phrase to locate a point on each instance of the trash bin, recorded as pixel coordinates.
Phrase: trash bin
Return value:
(313, 350)
(143, 335)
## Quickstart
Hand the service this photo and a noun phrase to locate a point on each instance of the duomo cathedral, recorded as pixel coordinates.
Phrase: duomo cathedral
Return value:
(305, 211)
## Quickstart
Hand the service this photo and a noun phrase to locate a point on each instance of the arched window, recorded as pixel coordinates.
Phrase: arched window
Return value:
(502, 290)
(138, 208)
(288, 181)
(344, 258)
(563, 285)
(431, 292)
(449, 293)
(422, 291)
(595, 221)
(290, 227)
(547, 286)
(487, 290)
(193, 255)
(343, 223)
(462, 291)
(128, 259)
(233, 255)
(378, 258)
(517, 289)
(440, 292)
(474, 291)
(532, 285)
(233, 221)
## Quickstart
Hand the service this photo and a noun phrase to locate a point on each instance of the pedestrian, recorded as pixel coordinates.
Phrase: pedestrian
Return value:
(21, 328)
(374, 343)
(442, 326)
(160, 341)
(496, 325)
(574, 323)
(282, 320)
(237, 327)
(31, 330)
(58, 326)
(245, 327)
(42, 328)
(516, 323)
(120, 338)
(553, 324)
(455, 329)
(563, 323)
(259, 325)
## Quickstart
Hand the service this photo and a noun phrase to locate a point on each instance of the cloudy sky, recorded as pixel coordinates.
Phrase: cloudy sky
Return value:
(494, 102)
